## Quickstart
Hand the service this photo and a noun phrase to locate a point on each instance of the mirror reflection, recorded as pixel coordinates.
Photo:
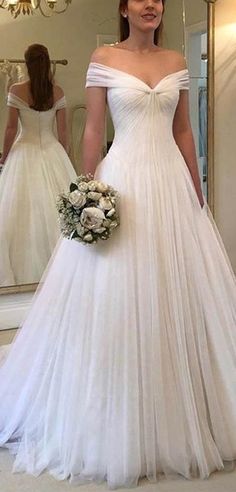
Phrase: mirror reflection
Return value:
(85, 27)
(35, 169)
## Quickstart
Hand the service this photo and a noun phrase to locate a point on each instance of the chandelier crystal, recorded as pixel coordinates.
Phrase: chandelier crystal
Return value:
(27, 7)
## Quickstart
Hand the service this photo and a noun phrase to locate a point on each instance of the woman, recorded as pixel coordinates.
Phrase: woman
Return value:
(133, 372)
(36, 168)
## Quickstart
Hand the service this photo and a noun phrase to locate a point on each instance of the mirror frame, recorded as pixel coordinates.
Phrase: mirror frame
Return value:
(210, 130)
(210, 102)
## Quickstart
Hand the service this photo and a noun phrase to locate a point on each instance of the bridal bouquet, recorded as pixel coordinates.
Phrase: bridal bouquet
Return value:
(88, 212)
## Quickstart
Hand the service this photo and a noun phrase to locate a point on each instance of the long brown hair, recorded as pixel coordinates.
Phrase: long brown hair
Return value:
(124, 23)
(41, 81)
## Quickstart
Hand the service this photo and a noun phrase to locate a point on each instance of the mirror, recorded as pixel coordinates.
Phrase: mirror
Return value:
(86, 25)
(200, 54)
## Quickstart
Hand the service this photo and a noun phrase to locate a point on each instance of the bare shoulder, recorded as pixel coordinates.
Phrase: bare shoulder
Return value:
(174, 60)
(18, 88)
(57, 92)
(178, 59)
(101, 54)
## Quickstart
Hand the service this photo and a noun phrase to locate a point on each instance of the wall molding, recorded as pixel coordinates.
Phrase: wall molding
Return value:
(13, 309)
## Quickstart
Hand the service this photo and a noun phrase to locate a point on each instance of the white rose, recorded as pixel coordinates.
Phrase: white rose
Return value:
(105, 204)
(111, 212)
(88, 238)
(77, 199)
(92, 218)
(83, 186)
(100, 230)
(93, 195)
(92, 185)
(102, 187)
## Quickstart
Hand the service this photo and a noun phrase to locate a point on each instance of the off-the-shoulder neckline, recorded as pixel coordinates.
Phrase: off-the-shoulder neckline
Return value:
(185, 70)
(27, 104)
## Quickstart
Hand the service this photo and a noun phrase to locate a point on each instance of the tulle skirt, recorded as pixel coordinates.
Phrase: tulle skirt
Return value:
(125, 365)
(29, 227)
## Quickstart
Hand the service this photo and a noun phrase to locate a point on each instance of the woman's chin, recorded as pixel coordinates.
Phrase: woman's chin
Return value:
(148, 28)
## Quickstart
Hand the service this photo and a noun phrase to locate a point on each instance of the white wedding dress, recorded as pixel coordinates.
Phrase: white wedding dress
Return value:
(37, 169)
(126, 364)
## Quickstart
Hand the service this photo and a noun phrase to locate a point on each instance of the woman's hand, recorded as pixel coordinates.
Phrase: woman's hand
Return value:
(200, 196)
(201, 201)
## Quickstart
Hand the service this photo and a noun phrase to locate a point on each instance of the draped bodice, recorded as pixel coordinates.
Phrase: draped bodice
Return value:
(139, 112)
(36, 127)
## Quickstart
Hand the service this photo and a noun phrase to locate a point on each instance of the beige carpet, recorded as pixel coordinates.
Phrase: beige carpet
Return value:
(219, 482)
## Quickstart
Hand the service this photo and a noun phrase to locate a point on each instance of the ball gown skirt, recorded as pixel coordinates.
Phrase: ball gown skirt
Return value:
(125, 365)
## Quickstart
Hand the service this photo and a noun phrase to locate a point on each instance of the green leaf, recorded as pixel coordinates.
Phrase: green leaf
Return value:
(73, 187)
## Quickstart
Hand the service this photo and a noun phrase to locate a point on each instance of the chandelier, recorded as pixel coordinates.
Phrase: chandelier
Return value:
(45, 7)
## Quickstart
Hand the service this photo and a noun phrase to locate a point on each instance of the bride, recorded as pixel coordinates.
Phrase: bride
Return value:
(125, 365)
(36, 168)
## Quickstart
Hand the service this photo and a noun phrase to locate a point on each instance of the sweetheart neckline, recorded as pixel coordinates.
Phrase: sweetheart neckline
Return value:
(137, 78)
(28, 106)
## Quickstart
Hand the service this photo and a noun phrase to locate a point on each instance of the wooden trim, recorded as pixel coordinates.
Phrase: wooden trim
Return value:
(16, 289)
(211, 104)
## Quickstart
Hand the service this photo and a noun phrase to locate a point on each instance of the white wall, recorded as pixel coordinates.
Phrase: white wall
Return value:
(173, 35)
(225, 124)
(195, 11)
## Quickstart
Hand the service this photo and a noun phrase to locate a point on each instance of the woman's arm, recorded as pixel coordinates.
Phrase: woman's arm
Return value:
(184, 139)
(94, 128)
(10, 132)
(62, 128)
